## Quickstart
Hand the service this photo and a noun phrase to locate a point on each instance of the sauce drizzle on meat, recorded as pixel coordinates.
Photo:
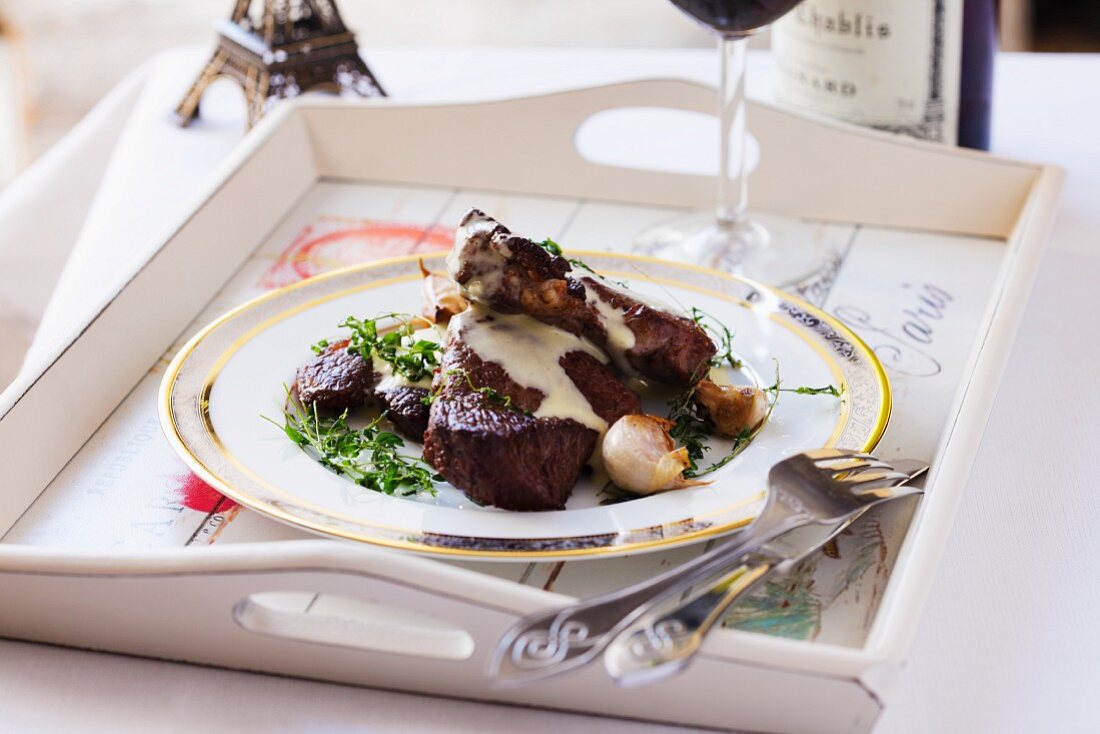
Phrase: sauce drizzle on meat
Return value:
(530, 352)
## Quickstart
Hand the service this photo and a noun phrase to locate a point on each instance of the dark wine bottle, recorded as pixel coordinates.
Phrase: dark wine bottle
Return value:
(918, 67)
(976, 82)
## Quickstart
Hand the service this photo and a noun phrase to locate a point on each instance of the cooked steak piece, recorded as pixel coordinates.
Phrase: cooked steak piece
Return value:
(609, 398)
(512, 274)
(500, 455)
(485, 437)
(666, 347)
(335, 380)
(405, 408)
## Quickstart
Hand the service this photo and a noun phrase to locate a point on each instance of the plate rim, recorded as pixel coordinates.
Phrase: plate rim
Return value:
(180, 447)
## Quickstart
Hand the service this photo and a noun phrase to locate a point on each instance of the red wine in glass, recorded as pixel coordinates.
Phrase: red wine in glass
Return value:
(735, 17)
(728, 239)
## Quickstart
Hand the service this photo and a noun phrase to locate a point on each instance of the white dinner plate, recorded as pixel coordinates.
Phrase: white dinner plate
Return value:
(233, 372)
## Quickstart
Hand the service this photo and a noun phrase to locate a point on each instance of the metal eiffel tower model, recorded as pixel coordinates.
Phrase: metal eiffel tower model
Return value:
(288, 47)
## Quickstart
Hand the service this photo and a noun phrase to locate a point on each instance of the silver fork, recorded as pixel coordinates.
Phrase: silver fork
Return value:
(826, 487)
(663, 641)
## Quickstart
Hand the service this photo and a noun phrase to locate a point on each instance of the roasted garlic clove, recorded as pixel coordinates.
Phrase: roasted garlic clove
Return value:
(731, 409)
(640, 456)
(441, 297)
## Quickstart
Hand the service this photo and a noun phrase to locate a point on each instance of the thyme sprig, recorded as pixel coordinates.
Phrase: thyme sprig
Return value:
(367, 456)
(689, 429)
(490, 394)
(550, 246)
(692, 430)
(555, 249)
(804, 390)
(409, 356)
(722, 337)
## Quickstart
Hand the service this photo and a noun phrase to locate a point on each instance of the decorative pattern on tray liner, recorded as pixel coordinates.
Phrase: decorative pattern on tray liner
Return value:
(831, 597)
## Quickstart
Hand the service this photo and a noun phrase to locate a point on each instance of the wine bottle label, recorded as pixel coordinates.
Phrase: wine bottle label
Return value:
(888, 64)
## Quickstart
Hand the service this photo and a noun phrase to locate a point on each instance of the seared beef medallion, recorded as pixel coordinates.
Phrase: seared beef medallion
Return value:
(662, 345)
(512, 274)
(335, 380)
(405, 408)
(608, 397)
(485, 438)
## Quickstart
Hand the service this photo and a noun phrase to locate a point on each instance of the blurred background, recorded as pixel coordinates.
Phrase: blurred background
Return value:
(57, 57)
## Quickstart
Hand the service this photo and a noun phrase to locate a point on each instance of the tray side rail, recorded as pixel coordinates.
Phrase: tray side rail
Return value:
(808, 166)
(895, 624)
(200, 606)
(44, 423)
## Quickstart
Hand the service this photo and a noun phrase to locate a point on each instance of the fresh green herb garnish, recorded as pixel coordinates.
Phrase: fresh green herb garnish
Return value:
(827, 390)
(550, 246)
(689, 429)
(584, 266)
(740, 442)
(555, 249)
(777, 387)
(409, 357)
(490, 394)
(722, 337)
(367, 456)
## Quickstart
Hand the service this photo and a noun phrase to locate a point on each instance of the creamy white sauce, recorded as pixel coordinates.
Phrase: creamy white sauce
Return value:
(454, 263)
(620, 338)
(530, 352)
(475, 253)
(388, 380)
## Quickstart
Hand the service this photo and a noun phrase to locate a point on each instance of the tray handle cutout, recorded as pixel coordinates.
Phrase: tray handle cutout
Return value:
(345, 621)
(603, 139)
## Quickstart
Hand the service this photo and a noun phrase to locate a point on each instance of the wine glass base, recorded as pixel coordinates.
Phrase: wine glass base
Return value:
(775, 250)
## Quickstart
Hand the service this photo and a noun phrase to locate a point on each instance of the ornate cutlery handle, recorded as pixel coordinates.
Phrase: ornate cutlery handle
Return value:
(677, 608)
(661, 642)
(559, 640)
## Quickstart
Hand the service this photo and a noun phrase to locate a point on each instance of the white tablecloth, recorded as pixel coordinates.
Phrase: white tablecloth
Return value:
(1008, 641)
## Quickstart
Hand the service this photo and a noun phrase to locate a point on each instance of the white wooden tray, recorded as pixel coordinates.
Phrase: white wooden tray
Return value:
(110, 543)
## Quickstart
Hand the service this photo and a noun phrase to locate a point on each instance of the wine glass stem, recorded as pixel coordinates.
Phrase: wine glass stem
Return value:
(733, 190)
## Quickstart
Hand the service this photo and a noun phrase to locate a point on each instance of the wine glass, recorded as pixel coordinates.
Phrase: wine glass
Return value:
(787, 251)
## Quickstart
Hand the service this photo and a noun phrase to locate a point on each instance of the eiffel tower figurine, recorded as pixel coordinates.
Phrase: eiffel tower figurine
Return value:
(289, 47)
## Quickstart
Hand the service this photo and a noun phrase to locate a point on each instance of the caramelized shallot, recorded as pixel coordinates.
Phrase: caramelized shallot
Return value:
(731, 409)
(441, 296)
(640, 456)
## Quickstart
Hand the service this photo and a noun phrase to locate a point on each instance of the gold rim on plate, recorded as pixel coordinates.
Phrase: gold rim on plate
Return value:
(800, 316)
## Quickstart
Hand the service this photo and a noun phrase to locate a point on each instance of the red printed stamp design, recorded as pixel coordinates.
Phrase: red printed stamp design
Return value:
(195, 494)
(333, 242)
